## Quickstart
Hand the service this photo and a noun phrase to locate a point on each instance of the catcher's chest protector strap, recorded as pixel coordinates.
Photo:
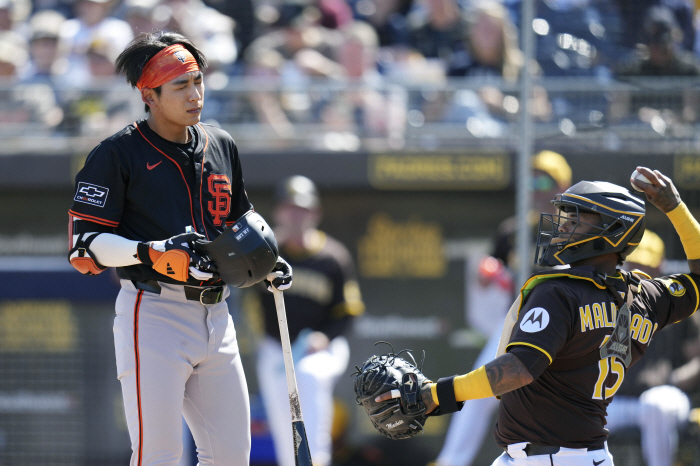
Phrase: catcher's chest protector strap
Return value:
(619, 344)
(446, 397)
(512, 317)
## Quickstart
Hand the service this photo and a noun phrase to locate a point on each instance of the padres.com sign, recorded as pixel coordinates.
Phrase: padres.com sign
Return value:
(441, 171)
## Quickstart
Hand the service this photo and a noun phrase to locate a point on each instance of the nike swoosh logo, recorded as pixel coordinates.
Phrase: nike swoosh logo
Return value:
(596, 463)
(151, 167)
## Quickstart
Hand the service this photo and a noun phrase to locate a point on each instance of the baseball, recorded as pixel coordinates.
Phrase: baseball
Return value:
(639, 177)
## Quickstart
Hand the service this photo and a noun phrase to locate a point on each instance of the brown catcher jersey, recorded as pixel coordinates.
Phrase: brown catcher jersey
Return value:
(565, 317)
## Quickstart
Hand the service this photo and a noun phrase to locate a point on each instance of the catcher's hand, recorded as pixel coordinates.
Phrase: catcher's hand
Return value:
(660, 190)
(395, 395)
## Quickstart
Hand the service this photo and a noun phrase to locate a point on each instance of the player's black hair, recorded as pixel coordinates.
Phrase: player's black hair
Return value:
(144, 47)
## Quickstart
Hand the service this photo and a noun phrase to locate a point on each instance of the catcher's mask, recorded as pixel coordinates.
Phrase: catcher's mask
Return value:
(245, 252)
(620, 230)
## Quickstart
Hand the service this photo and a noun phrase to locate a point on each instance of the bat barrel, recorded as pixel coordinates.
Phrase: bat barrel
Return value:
(287, 352)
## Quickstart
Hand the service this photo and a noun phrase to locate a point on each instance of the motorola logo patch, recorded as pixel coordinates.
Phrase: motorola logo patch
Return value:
(534, 320)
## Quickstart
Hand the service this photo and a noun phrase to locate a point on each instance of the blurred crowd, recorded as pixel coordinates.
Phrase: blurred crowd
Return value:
(57, 74)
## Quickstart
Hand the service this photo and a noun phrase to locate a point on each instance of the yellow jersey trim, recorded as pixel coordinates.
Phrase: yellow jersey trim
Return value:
(697, 295)
(521, 343)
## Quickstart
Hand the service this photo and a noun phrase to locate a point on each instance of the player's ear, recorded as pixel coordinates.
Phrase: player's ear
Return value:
(148, 96)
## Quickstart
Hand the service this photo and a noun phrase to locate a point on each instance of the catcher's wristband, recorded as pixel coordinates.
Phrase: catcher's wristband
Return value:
(445, 391)
(688, 230)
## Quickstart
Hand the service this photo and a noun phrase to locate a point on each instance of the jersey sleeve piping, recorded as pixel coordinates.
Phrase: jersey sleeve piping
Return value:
(697, 295)
(91, 218)
(515, 343)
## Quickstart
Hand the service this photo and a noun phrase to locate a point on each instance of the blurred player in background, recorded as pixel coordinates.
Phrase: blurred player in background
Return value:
(490, 296)
(321, 305)
(652, 397)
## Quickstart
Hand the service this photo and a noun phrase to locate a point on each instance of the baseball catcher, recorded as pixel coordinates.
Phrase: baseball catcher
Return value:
(405, 413)
(554, 372)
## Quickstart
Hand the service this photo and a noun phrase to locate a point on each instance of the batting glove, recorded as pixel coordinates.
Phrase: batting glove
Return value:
(175, 257)
(280, 277)
(201, 267)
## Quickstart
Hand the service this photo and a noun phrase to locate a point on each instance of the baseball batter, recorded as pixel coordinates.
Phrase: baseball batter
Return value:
(572, 333)
(144, 196)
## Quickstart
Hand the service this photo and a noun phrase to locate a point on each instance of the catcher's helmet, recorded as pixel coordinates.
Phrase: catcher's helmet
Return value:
(620, 230)
(245, 252)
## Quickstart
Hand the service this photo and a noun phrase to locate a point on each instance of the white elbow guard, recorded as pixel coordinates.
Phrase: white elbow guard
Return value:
(80, 256)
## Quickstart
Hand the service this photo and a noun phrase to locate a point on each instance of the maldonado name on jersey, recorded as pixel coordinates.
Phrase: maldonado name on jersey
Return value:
(600, 315)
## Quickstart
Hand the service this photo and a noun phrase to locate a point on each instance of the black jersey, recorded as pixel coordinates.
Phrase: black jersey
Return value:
(145, 188)
(324, 295)
(565, 318)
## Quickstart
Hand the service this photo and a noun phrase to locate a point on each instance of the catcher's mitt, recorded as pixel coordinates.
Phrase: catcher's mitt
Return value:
(396, 418)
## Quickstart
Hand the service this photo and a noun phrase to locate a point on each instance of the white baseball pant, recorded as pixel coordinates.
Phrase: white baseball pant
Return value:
(516, 456)
(177, 357)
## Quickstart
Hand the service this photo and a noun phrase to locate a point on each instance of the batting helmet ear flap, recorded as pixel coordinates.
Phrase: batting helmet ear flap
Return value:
(244, 253)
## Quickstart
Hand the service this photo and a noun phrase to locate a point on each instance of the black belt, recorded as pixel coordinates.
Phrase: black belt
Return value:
(534, 450)
(205, 296)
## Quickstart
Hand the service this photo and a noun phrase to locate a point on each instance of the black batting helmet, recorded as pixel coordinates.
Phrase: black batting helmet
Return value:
(245, 252)
(620, 230)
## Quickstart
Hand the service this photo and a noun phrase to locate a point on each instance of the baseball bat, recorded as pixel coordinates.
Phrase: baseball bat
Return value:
(302, 455)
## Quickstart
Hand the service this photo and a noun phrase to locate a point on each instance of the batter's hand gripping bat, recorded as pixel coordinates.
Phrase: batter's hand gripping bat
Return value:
(302, 456)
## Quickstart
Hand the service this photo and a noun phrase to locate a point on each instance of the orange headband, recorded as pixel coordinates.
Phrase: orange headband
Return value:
(167, 65)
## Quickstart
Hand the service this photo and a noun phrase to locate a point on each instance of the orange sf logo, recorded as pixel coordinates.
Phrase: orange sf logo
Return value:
(220, 189)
